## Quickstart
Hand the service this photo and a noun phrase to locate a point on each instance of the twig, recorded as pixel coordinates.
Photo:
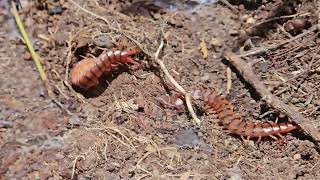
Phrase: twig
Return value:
(74, 164)
(89, 12)
(274, 46)
(280, 17)
(247, 73)
(229, 5)
(229, 80)
(175, 83)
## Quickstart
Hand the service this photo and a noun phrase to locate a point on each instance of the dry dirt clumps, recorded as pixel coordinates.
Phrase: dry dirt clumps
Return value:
(132, 126)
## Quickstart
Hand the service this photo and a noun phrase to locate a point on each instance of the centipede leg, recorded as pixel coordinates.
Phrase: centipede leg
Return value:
(273, 137)
(259, 139)
(245, 141)
(129, 60)
(282, 139)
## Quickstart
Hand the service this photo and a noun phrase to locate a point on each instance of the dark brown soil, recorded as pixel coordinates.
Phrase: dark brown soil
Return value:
(124, 129)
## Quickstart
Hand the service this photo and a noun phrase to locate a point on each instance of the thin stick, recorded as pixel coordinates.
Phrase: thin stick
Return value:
(175, 83)
(91, 13)
(229, 80)
(229, 5)
(274, 46)
(245, 69)
(23, 32)
(79, 157)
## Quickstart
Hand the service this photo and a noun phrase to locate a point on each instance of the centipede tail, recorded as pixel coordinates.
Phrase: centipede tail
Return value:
(86, 73)
(233, 121)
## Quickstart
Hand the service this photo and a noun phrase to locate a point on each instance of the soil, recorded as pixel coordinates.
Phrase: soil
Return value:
(126, 128)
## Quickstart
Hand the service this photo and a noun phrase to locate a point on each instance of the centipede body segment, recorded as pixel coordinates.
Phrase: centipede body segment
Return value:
(233, 121)
(86, 73)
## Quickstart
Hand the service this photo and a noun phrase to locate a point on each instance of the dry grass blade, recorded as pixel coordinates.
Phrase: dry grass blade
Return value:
(26, 39)
(129, 143)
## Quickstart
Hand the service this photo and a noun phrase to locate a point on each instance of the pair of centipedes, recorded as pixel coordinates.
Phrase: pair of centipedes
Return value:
(87, 72)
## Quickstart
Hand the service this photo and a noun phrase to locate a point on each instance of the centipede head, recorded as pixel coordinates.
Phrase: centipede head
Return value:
(126, 59)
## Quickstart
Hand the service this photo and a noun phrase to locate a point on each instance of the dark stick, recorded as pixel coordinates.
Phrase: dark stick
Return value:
(245, 70)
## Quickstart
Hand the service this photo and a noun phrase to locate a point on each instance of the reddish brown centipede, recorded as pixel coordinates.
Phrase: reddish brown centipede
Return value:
(233, 121)
(86, 73)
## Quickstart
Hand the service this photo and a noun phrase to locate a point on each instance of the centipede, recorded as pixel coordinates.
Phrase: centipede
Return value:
(87, 72)
(235, 124)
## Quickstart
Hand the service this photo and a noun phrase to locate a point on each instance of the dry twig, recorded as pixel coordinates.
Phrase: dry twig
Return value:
(245, 69)
(175, 83)
(229, 80)
(274, 46)
(74, 164)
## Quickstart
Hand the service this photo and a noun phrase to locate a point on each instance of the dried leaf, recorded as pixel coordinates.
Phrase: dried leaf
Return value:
(204, 49)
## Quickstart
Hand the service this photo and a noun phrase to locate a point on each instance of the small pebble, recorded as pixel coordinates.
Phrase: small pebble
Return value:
(250, 20)
(205, 77)
(295, 100)
(297, 156)
(157, 16)
(55, 10)
(75, 121)
(5, 124)
(233, 32)
(187, 137)
(27, 56)
(195, 72)
(103, 41)
(215, 42)
(264, 67)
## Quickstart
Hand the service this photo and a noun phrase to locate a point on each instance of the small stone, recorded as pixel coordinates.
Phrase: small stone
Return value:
(251, 143)
(215, 42)
(104, 41)
(295, 100)
(264, 67)
(5, 124)
(27, 56)
(205, 77)
(297, 156)
(75, 121)
(195, 72)
(176, 22)
(251, 20)
(187, 137)
(157, 16)
(233, 32)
